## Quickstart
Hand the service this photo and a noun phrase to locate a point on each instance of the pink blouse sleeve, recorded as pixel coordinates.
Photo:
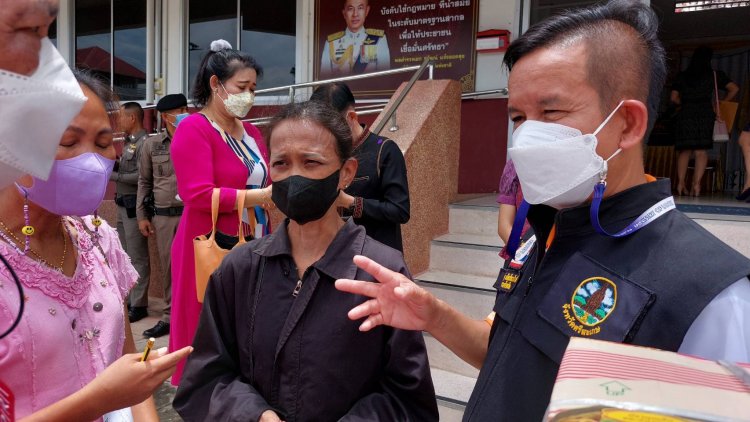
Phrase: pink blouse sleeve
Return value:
(118, 259)
(193, 160)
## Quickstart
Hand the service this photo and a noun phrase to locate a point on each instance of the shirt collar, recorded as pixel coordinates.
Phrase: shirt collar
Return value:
(356, 35)
(336, 261)
(136, 136)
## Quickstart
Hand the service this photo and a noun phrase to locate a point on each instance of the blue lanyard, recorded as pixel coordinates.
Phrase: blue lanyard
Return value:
(515, 233)
(649, 216)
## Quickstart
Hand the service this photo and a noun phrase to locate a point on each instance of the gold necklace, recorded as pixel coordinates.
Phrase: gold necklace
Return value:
(35, 253)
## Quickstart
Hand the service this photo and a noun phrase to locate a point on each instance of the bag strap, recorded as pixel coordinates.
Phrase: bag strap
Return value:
(716, 96)
(240, 211)
(214, 213)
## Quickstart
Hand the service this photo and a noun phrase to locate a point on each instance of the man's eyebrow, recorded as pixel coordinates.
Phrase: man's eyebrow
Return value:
(551, 100)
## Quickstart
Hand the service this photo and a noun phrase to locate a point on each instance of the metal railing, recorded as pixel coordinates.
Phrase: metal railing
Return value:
(475, 94)
(365, 109)
(368, 108)
(293, 88)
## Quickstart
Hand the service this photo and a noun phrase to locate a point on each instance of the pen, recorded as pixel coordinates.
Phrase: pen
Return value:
(147, 350)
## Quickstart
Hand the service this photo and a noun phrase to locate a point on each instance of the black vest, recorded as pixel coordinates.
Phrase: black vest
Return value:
(645, 289)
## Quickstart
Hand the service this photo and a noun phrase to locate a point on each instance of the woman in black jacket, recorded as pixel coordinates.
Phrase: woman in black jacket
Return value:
(274, 341)
(378, 198)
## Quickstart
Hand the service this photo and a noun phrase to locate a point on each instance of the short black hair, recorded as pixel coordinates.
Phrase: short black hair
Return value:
(135, 109)
(224, 64)
(337, 94)
(622, 45)
(322, 114)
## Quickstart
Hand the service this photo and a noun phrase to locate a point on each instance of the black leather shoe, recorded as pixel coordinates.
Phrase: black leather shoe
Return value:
(137, 313)
(744, 195)
(160, 329)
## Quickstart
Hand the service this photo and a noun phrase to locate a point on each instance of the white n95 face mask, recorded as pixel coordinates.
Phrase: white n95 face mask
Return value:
(52, 96)
(557, 165)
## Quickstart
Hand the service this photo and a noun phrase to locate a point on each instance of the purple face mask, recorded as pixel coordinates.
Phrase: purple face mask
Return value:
(75, 186)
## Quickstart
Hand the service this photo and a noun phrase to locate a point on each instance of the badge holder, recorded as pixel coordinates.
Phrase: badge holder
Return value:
(512, 270)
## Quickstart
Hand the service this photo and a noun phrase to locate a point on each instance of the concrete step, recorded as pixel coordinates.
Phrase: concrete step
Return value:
(472, 219)
(453, 392)
(466, 254)
(470, 294)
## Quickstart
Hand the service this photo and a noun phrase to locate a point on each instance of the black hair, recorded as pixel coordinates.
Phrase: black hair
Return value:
(321, 114)
(134, 108)
(100, 88)
(336, 94)
(700, 62)
(622, 45)
(224, 64)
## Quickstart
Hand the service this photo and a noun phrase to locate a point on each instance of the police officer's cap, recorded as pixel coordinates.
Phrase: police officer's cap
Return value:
(171, 102)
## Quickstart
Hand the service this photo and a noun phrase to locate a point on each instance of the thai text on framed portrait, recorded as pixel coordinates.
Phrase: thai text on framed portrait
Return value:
(360, 36)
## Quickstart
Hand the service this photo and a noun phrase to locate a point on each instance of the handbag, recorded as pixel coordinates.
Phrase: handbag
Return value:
(208, 254)
(721, 132)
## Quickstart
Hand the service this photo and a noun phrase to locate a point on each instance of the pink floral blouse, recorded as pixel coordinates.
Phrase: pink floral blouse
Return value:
(72, 327)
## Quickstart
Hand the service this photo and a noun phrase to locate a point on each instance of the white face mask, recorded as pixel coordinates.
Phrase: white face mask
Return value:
(50, 95)
(557, 165)
(239, 104)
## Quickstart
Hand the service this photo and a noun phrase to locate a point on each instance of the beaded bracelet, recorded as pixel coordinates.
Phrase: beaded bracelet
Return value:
(358, 205)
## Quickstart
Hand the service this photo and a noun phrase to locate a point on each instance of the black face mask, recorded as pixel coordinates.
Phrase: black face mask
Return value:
(304, 200)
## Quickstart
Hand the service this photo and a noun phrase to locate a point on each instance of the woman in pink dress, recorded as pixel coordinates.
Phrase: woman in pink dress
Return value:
(64, 360)
(211, 150)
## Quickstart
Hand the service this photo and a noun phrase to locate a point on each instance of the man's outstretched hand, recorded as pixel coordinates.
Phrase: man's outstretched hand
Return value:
(395, 300)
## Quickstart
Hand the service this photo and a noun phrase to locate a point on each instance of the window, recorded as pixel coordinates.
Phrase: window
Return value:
(697, 6)
(268, 34)
(102, 26)
(265, 30)
(209, 21)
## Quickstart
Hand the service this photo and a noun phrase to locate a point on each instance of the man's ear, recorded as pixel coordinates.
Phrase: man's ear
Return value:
(348, 171)
(636, 123)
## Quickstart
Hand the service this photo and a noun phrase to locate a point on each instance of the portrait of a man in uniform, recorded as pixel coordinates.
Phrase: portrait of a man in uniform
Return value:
(356, 49)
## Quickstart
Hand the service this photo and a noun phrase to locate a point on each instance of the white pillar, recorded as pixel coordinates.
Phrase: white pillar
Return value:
(66, 32)
(175, 16)
(150, 38)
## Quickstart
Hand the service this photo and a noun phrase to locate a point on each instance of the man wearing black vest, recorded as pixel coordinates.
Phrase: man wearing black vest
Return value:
(611, 258)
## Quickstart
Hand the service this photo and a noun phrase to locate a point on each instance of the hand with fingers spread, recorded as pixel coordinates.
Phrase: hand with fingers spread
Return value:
(395, 300)
(398, 302)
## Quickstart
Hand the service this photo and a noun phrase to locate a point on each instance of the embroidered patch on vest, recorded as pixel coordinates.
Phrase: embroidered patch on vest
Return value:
(591, 303)
(588, 299)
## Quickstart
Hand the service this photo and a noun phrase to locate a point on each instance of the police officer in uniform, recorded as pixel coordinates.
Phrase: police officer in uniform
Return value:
(158, 209)
(611, 258)
(126, 178)
(355, 49)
